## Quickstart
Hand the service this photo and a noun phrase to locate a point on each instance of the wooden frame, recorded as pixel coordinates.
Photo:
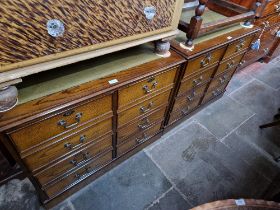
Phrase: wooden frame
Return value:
(233, 11)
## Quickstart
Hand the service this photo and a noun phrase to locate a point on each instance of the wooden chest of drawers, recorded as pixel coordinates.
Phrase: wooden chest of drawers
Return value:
(34, 32)
(64, 140)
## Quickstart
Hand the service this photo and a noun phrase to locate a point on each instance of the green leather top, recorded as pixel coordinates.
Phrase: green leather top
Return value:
(49, 82)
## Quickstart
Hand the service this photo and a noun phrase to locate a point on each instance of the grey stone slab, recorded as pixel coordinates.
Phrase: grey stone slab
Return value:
(266, 140)
(63, 206)
(179, 158)
(172, 200)
(175, 154)
(247, 182)
(264, 164)
(132, 185)
(238, 80)
(19, 195)
(259, 98)
(270, 75)
(221, 117)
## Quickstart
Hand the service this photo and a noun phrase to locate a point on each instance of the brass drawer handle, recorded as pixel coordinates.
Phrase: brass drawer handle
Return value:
(186, 111)
(145, 124)
(149, 90)
(198, 81)
(230, 64)
(217, 92)
(64, 123)
(240, 46)
(85, 155)
(223, 79)
(71, 146)
(192, 96)
(265, 50)
(143, 139)
(146, 109)
(206, 61)
(87, 171)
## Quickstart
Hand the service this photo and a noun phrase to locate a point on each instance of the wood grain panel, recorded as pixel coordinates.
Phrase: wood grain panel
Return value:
(146, 88)
(88, 24)
(46, 129)
(67, 145)
(143, 108)
(76, 160)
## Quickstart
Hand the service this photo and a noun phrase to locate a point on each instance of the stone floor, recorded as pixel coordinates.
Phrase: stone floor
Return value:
(218, 153)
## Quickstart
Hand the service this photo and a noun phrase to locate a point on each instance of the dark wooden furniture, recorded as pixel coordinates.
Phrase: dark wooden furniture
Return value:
(268, 19)
(230, 14)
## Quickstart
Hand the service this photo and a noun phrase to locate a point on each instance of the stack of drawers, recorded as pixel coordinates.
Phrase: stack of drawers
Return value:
(270, 24)
(207, 76)
(66, 147)
(142, 108)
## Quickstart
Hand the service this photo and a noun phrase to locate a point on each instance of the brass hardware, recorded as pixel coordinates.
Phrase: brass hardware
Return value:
(206, 61)
(144, 124)
(143, 139)
(223, 79)
(153, 86)
(68, 146)
(68, 113)
(87, 171)
(230, 64)
(266, 24)
(240, 46)
(266, 50)
(151, 79)
(186, 111)
(192, 96)
(74, 162)
(216, 92)
(64, 123)
(146, 109)
(197, 81)
(241, 63)
(85, 156)
(83, 138)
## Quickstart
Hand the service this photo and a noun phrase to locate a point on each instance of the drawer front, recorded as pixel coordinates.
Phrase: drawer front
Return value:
(138, 139)
(193, 93)
(140, 125)
(78, 175)
(204, 61)
(238, 46)
(143, 108)
(229, 64)
(197, 80)
(78, 159)
(42, 131)
(146, 88)
(67, 145)
(87, 25)
(222, 79)
(272, 7)
(211, 94)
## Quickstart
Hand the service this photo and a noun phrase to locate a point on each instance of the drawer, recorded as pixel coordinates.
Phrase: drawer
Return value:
(141, 125)
(273, 6)
(47, 129)
(182, 108)
(87, 154)
(222, 79)
(204, 61)
(211, 94)
(143, 108)
(138, 139)
(67, 145)
(229, 64)
(194, 92)
(238, 46)
(147, 87)
(77, 176)
(197, 80)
